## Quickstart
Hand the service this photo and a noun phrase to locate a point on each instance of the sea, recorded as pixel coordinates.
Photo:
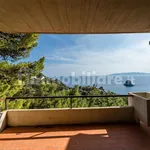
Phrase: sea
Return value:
(111, 83)
(141, 84)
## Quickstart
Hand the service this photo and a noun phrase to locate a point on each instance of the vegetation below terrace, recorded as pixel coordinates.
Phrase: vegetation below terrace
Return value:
(57, 88)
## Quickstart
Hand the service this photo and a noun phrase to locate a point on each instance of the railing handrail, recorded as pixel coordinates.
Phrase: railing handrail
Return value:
(71, 96)
(67, 97)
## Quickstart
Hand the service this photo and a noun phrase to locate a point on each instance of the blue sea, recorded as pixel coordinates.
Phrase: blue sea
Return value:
(141, 83)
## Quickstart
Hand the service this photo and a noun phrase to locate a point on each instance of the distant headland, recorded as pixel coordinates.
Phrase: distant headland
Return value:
(130, 74)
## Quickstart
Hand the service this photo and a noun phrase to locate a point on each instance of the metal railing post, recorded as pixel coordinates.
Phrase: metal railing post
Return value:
(71, 102)
(6, 104)
(89, 105)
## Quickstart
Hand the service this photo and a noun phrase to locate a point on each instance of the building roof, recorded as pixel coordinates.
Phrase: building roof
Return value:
(75, 16)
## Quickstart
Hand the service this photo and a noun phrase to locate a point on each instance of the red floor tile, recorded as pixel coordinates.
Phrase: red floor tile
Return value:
(81, 137)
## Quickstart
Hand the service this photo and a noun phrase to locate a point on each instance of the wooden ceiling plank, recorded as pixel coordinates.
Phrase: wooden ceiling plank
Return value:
(50, 8)
(74, 9)
(104, 20)
(63, 15)
(46, 15)
(84, 16)
(75, 16)
(91, 14)
(9, 16)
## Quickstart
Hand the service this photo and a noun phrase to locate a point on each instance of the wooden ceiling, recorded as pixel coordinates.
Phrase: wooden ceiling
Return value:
(75, 16)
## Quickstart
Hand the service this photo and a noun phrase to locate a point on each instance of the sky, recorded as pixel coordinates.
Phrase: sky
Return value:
(98, 54)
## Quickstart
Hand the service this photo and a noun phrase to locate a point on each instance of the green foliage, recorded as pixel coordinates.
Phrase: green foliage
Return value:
(16, 46)
(17, 80)
(14, 76)
(53, 89)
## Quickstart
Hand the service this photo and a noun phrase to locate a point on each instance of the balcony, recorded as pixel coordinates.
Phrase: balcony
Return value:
(76, 137)
(78, 128)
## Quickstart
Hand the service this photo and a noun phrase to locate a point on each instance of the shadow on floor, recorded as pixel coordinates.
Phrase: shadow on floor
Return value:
(77, 137)
(118, 138)
(54, 128)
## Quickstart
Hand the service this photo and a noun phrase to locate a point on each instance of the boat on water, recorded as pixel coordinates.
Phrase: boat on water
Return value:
(128, 83)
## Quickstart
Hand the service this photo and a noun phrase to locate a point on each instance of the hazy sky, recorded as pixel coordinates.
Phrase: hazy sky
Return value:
(104, 54)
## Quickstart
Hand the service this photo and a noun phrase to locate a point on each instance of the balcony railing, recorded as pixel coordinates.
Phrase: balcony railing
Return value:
(69, 99)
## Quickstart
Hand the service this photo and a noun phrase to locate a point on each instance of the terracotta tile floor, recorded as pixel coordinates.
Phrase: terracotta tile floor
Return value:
(83, 137)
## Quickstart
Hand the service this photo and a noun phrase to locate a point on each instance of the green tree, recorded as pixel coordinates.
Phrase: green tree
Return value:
(14, 76)
(16, 46)
(12, 48)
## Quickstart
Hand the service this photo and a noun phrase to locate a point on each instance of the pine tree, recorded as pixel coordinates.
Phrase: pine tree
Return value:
(16, 46)
(12, 48)
(14, 76)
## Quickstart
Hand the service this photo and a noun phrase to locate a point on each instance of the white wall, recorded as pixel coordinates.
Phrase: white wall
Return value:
(69, 116)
